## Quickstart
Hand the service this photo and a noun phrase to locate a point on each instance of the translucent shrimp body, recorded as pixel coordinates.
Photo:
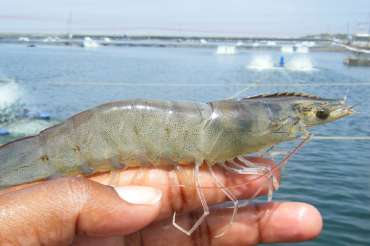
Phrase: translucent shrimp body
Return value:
(140, 132)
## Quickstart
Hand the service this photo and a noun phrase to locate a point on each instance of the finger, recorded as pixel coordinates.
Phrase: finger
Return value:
(52, 212)
(83, 240)
(267, 223)
(179, 193)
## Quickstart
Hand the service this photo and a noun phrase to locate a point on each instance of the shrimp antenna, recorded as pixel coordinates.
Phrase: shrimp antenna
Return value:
(354, 105)
(345, 96)
(238, 93)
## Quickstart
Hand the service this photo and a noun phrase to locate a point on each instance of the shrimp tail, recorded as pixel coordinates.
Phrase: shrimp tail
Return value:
(22, 161)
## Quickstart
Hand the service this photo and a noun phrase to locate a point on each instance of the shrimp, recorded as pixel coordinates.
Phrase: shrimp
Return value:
(133, 133)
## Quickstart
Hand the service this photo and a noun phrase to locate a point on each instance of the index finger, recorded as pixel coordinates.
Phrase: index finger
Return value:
(178, 188)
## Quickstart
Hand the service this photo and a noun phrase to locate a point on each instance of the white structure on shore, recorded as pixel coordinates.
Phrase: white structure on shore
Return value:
(50, 39)
(89, 43)
(24, 39)
(361, 40)
(107, 40)
(226, 50)
(302, 49)
(287, 49)
(256, 44)
(309, 44)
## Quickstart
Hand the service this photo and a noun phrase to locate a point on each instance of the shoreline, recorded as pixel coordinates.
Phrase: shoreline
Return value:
(321, 48)
(209, 42)
(319, 37)
(164, 37)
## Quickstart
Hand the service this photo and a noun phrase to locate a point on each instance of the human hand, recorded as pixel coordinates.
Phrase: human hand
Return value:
(83, 212)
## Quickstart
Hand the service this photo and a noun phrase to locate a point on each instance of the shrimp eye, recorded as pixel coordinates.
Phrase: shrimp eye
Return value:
(322, 114)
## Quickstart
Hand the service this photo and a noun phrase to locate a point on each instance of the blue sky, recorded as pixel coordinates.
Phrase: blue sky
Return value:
(231, 17)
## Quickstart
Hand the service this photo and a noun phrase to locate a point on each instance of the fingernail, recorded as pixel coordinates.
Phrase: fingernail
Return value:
(139, 195)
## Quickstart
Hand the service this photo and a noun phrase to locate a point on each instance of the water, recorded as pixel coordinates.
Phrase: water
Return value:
(332, 175)
(10, 100)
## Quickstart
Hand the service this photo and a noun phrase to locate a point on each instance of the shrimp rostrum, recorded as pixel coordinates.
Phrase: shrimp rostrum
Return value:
(133, 133)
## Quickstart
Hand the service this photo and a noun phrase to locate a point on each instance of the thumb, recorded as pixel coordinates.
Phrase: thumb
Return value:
(54, 212)
(119, 210)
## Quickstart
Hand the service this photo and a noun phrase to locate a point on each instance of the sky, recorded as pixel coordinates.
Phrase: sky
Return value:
(187, 17)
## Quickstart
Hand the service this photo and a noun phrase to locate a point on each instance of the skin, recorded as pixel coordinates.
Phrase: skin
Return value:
(82, 211)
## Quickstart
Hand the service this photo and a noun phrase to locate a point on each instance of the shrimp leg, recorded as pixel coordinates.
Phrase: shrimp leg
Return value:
(271, 152)
(274, 184)
(247, 169)
(202, 201)
(307, 136)
(251, 168)
(230, 195)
